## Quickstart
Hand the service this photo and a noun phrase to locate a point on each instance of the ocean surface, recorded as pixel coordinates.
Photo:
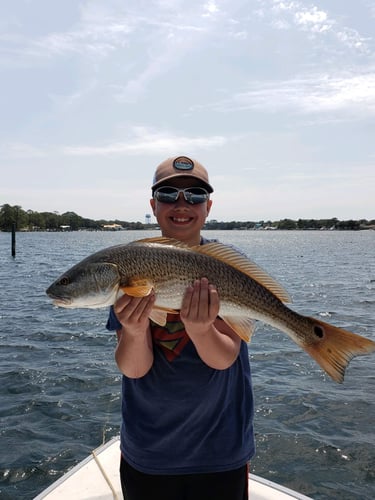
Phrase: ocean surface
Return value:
(60, 387)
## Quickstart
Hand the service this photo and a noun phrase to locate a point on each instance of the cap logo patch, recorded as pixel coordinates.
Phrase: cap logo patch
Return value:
(183, 163)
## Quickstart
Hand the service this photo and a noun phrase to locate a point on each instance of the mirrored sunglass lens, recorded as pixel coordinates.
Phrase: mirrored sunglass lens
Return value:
(166, 194)
(196, 195)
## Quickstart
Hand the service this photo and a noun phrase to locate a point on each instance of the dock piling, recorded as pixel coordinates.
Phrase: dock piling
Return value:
(13, 239)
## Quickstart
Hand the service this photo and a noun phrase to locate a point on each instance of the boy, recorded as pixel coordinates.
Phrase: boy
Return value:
(187, 405)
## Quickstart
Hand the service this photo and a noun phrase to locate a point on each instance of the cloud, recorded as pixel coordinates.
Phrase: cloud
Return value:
(210, 8)
(94, 40)
(314, 21)
(140, 140)
(143, 140)
(310, 94)
(101, 31)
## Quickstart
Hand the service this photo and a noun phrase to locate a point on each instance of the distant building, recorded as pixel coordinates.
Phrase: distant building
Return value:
(112, 227)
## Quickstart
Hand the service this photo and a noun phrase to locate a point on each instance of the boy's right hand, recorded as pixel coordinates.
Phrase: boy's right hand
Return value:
(133, 312)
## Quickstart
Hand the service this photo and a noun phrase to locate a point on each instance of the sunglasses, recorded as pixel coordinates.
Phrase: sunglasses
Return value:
(193, 195)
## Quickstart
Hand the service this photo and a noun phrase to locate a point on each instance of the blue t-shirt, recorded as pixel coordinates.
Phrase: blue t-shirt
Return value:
(184, 417)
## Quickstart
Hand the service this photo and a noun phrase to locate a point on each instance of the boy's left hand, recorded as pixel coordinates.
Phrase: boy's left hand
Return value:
(200, 306)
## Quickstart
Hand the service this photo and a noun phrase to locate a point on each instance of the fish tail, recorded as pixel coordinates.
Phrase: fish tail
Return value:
(336, 348)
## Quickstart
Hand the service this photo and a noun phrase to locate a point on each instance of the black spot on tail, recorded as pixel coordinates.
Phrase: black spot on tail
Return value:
(319, 332)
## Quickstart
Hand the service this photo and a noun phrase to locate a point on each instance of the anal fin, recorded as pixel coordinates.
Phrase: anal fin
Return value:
(159, 315)
(244, 327)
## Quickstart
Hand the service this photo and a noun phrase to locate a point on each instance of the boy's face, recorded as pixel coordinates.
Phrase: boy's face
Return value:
(181, 220)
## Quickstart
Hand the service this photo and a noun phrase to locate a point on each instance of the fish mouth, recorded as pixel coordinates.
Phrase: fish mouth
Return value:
(59, 301)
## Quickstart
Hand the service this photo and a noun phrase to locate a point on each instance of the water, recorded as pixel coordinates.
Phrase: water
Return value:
(60, 388)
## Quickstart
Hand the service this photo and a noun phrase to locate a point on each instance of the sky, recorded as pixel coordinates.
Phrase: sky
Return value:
(276, 98)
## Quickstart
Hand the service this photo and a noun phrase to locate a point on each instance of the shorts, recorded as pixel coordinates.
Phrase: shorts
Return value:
(228, 485)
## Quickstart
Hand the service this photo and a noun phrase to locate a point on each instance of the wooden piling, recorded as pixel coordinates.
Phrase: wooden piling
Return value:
(13, 239)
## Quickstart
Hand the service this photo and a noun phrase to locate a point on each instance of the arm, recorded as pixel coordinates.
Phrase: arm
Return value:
(217, 344)
(134, 354)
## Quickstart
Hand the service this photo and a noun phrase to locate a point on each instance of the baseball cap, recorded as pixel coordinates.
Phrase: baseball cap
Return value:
(180, 166)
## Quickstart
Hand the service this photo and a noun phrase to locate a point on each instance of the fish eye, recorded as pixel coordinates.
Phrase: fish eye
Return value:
(64, 281)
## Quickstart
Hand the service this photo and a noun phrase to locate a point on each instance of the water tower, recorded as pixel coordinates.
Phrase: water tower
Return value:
(148, 218)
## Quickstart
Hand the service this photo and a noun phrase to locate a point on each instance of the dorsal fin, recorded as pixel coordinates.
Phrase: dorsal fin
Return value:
(234, 258)
(231, 257)
(162, 240)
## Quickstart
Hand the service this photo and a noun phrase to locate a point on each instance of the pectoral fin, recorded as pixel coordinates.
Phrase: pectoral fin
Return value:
(244, 327)
(138, 288)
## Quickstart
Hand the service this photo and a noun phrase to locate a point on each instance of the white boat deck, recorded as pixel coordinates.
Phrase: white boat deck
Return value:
(97, 478)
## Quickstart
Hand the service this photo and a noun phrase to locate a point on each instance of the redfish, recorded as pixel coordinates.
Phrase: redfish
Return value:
(246, 293)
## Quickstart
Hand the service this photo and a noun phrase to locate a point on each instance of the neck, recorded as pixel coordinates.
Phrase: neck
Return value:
(189, 241)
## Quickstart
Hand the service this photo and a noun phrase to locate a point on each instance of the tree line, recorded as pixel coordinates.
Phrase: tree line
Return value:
(30, 220)
(300, 224)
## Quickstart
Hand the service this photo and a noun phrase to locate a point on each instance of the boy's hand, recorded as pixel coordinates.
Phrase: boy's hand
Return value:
(133, 312)
(200, 306)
